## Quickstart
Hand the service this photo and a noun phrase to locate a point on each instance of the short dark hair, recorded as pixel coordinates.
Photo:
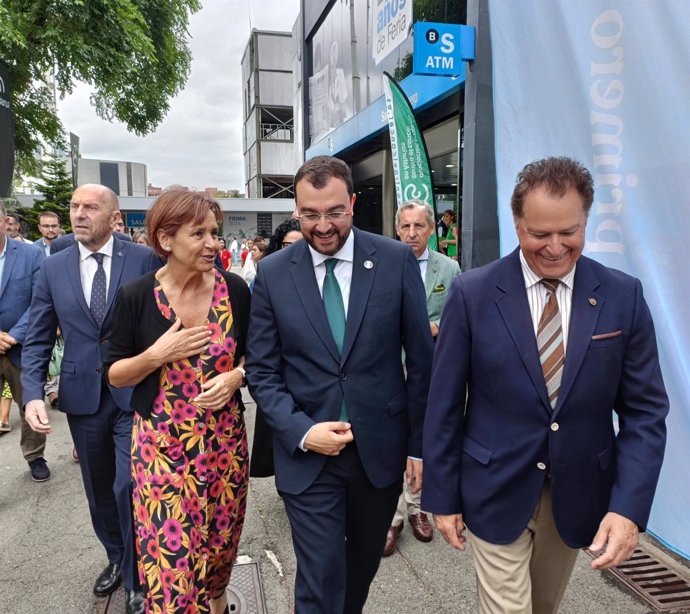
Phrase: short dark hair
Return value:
(48, 214)
(276, 240)
(175, 208)
(556, 175)
(320, 169)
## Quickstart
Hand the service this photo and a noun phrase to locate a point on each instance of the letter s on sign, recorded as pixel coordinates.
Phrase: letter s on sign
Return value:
(448, 45)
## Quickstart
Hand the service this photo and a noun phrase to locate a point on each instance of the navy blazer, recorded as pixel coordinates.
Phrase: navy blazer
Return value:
(22, 264)
(298, 378)
(490, 435)
(59, 301)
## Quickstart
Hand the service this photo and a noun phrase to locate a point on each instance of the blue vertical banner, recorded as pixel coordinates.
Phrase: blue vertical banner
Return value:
(605, 82)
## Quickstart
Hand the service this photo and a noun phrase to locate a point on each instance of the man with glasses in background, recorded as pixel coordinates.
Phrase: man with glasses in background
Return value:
(48, 226)
(330, 318)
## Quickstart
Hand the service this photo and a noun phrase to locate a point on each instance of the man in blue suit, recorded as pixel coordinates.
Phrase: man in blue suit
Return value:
(330, 318)
(535, 353)
(75, 291)
(19, 266)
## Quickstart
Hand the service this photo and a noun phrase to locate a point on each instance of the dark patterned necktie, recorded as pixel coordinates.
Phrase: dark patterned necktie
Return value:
(98, 290)
(335, 312)
(550, 342)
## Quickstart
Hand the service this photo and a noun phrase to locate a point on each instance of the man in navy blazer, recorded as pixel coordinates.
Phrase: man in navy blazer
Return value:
(99, 417)
(19, 266)
(344, 416)
(540, 469)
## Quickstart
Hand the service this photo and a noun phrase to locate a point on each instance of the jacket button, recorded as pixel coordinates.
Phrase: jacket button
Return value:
(101, 341)
(541, 466)
(98, 370)
(555, 427)
(343, 377)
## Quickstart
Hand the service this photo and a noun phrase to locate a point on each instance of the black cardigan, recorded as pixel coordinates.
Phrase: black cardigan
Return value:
(138, 323)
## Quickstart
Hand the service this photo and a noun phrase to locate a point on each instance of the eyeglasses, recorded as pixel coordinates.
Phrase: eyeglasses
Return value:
(50, 226)
(286, 243)
(332, 216)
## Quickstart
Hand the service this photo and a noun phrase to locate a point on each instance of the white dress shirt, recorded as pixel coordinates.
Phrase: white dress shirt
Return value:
(88, 267)
(423, 262)
(537, 297)
(342, 270)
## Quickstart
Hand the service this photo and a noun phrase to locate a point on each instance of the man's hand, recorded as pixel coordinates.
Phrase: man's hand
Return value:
(413, 474)
(328, 438)
(36, 416)
(434, 329)
(616, 538)
(6, 342)
(452, 528)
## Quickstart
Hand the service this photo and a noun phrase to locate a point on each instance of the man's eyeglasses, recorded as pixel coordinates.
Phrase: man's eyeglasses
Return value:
(50, 226)
(332, 216)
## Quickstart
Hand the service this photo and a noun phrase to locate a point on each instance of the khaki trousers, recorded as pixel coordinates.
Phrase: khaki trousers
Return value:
(408, 504)
(32, 444)
(528, 576)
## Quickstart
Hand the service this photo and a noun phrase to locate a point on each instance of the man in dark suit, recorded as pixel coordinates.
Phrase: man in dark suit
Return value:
(75, 291)
(330, 318)
(535, 353)
(19, 266)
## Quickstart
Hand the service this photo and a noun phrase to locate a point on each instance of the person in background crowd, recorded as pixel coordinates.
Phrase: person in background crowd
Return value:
(261, 465)
(535, 351)
(235, 251)
(140, 237)
(249, 267)
(14, 227)
(285, 234)
(179, 338)
(330, 318)
(119, 226)
(48, 226)
(76, 290)
(224, 254)
(19, 266)
(450, 242)
(245, 249)
(414, 223)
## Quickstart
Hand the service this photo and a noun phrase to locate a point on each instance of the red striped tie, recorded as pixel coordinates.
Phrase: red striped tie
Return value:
(550, 342)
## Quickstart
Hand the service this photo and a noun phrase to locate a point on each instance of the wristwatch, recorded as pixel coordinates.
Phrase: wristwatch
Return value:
(244, 376)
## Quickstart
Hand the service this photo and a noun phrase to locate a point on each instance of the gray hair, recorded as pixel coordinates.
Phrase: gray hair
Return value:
(416, 204)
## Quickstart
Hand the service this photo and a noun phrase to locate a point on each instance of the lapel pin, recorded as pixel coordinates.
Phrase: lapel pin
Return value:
(592, 300)
(368, 264)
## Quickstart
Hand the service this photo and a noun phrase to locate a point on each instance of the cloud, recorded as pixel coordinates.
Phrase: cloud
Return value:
(199, 143)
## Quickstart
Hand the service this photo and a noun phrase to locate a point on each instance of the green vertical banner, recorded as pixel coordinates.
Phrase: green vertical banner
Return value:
(408, 150)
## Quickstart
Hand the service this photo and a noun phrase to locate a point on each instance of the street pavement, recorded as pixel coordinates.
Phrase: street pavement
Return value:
(49, 556)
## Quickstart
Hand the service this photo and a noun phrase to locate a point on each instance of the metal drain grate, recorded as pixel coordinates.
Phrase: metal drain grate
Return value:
(245, 594)
(659, 585)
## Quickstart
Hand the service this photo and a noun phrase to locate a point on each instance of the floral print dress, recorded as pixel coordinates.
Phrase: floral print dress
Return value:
(190, 471)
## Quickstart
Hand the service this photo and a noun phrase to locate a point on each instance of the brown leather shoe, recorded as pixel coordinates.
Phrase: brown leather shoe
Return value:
(392, 539)
(421, 527)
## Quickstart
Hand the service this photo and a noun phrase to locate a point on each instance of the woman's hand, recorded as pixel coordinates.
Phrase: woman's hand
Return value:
(219, 389)
(175, 344)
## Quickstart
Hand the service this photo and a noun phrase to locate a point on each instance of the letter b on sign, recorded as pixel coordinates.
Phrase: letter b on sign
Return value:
(432, 36)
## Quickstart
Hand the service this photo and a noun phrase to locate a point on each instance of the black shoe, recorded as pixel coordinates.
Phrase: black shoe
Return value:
(39, 470)
(134, 603)
(108, 580)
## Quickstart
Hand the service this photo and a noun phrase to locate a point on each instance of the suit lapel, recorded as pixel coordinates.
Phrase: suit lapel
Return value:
(585, 309)
(74, 275)
(360, 287)
(514, 308)
(432, 270)
(116, 268)
(10, 259)
(307, 289)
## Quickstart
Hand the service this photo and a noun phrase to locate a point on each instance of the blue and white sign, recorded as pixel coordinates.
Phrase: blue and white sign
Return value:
(441, 48)
(135, 220)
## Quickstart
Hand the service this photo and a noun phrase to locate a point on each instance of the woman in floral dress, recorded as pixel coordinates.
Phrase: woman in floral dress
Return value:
(179, 339)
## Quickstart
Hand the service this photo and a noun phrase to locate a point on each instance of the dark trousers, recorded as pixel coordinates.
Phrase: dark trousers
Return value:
(103, 441)
(339, 526)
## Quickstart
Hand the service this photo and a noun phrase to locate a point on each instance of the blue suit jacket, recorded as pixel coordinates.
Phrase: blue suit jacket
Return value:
(298, 378)
(22, 264)
(59, 301)
(489, 427)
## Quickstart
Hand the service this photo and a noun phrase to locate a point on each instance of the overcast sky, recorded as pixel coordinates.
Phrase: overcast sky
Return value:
(199, 143)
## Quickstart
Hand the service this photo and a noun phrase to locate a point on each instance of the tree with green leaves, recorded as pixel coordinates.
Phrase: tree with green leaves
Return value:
(55, 184)
(134, 53)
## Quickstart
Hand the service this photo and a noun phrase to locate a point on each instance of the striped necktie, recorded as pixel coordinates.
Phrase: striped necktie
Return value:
(550, 342)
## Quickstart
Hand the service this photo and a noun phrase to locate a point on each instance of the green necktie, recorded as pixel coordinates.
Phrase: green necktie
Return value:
(335, 312)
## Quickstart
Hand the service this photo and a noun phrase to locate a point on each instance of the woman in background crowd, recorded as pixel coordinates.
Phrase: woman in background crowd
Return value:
(139, 236)
(285, 234)
(450, 241)
(225, 255)
(179, 339)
